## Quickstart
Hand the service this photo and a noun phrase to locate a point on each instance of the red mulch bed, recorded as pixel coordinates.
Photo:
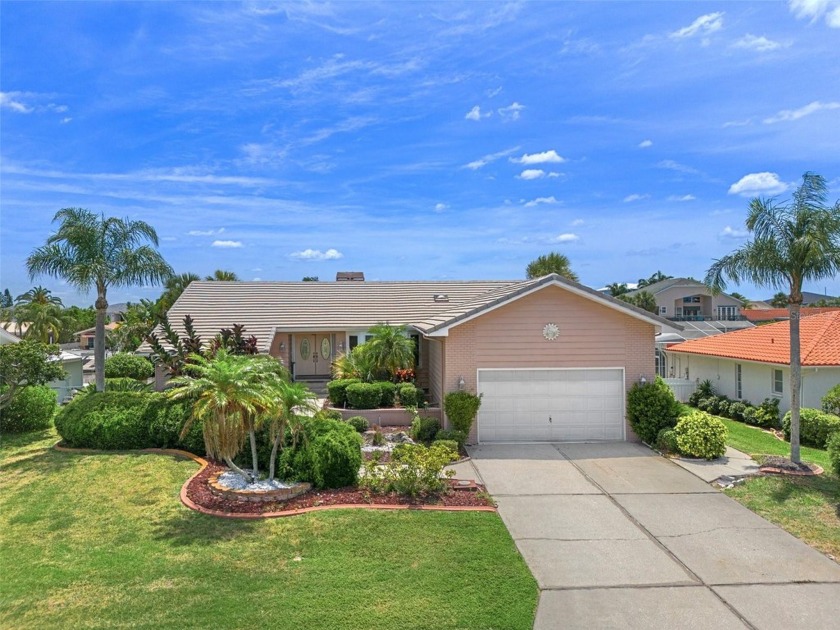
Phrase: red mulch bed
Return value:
(199, 492)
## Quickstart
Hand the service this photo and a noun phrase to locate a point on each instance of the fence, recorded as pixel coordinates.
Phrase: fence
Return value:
(681, 387)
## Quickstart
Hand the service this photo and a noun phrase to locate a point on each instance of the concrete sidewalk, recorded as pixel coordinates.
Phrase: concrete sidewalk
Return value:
(619, 537)
(734, 463)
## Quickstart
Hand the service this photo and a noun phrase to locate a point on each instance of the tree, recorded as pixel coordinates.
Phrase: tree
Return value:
(310, 278)
(552, 262)
(389, 349)
(617, 288)
(138, 321)
(223, 276)
(294, 403)
(6, 299)
(792, 243)
(93, 251)
(41, 311)
(780, 300)
(746, 304)
(173, 288)
(25, 363)
(74, 319)
(642, 299)
(658, 276)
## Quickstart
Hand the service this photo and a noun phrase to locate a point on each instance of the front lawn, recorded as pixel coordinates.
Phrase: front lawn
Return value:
(755, 442)
(103, 541)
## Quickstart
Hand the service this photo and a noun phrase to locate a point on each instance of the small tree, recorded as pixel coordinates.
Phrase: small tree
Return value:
(642, 299)
(389, 349)
(553, 262)
(27, 363)
(461, 409)
(294, 403)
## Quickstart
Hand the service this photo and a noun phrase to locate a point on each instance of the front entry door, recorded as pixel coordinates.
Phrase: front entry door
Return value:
(314, 354)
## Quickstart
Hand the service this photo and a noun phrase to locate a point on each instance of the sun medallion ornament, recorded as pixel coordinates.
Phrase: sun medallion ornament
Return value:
(551, 332)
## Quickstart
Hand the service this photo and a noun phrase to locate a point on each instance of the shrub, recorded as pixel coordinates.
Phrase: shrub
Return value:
(387, 393)
(699, 434)
(106, 420)
(831, 400)
(666, 441)
(833, 447)
(31, 409)
(412, 471)
(651, 407)
(815, 427)
(330, 414)
(125, 384)
(452, 445)
(736, 410)
(452, 434)
(767, 413)
(750, 416)
(127, 365)
(461, 408)
(378, 437)
(363, 396)
(336, 458)
(704, 389)
(297, 461)
(359, 423)
(166, 419)
(337, 391)
(424, 429)
(707, 404)
(407, 393)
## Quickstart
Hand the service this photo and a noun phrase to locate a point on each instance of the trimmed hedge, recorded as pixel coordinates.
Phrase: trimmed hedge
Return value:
(127, 365)
(408, 395)
(833, 448)
(452, 434)
(323, 461)
(461, 409)
(651, 407)
(387, 393)
(424, 429)
(31, 409)
(363, 395)
(337, 391)
(699, 434)
(815, 427)
(360, 423)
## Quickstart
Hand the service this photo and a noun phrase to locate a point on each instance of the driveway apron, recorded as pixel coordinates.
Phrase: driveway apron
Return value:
(619, 537)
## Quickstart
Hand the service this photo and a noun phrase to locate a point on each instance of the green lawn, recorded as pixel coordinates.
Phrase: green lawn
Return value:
(756, 442)
(103, 541)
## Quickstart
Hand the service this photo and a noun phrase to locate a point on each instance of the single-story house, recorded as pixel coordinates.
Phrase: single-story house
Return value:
(72, 364)
(552, 359)
(87, 336)
(754, 364)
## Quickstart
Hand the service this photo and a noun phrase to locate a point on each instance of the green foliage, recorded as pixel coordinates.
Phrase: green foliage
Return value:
(815, 426)
(424, 429)
(833, 448)
(736, 410)
(378, 437)
(831, 400)
(750, 416)
(125, 384)
(166, 419)
(363, 396)
(651, 407)
(461, 409)
(642, 299)
(553, 262)
(407, 393)
(388, 393)
(336, 459)
(337, 391)
(106, 420)
(27, 363)
(31, 410)
(699, 434)
(388, 349)
(360, 423)
(74, 319)
(414, 470)
(297, 461)
(452, 445)
(666, 441)
(454, 435)
(705, 389)
(329, 414)
(767, 413)
(126, 365)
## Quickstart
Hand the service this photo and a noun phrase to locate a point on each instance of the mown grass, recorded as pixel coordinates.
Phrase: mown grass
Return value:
(756, 443)
(103, 541)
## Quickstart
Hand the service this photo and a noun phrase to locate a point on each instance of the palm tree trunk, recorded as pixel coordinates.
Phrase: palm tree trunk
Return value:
(253, 437)
(237, 469)
(795, 382)
(99, 342)
(273, 460)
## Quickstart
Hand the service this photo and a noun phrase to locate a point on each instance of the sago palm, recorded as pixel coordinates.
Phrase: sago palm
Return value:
(389, 349)
(295, 401)
(791, 243)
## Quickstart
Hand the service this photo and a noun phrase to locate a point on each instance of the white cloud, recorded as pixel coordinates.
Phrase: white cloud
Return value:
(738, 123)
(682, 198)
(531, 173)
(704, 25)
(578, 222)
(66, 120)
(317, 255)
(644, 144)
(635, 197)
(730, 232)
(673, 165)
(796, 114)
(205, 232)
(541, 200)
(511, 112)
(758, 183)
(759, 44)
(475, 114)
(440, 207)
(545, 157)
(12, 101)
(816, 9)
(568, 237)
(490, 157)
(554, 174)
(227, 244)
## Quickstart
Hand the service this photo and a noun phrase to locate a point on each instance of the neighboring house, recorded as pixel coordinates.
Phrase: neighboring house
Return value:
(783, 314)
(87, 335)
(7, 337)
(71, 363)
(809, 298)
(552, 359)
(754, 364)
(684, 299)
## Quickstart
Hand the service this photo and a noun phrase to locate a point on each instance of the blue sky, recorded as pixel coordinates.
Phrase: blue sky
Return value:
(414, 140)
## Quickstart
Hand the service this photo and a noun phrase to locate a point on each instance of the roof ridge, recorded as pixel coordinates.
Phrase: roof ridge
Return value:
(829, 320)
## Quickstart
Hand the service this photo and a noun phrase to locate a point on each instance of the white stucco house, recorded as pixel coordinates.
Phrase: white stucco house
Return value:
(72, 364)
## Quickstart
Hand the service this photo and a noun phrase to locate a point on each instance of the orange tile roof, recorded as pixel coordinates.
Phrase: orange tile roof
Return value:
(775, 314)
(819, 342)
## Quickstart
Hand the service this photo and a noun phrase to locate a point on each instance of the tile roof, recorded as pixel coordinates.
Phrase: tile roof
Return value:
(819, 342)
(778, 314)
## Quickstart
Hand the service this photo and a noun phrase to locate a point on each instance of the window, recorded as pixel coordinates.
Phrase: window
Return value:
(738, 391)
(353, 341)
(691, 299)
(663, 310)
(778, 382)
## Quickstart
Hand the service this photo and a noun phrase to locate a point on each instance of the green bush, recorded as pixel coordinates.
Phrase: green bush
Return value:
(414, 470)
(424, 429)
(297, 461)
(337, 391)
(666, 441)
(407, 393)
(453, 434)
(106, 420)
(461, 409)
(736, 410)
(166, 419)
(32, 409)
(360, 423)
(815, 427)
(767, 413)
(833, 447)
(388, 393)
(750, 416)
(452, 445)
(831, 400)
(336, 459)
(329, 414)
(127, 365)
(651, 407)
(700, 435)
(704, 390)
(125, 384)
(363, 396)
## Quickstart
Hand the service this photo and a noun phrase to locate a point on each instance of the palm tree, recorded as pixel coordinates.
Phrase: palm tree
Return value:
(223, 276)
(389, 349)
(41, 311)
(92, 251)
(553, 262)
(791, 243)
(746, 304)
(779, 300)
(617, 288)
(173, 288)
(294, 402)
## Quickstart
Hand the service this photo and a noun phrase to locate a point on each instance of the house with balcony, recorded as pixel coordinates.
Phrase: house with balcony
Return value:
(687, 300)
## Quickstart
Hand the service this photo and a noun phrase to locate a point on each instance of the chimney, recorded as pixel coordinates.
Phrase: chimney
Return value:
(350, 276)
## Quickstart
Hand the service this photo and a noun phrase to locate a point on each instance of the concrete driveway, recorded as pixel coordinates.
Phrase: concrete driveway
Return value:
(619, 537)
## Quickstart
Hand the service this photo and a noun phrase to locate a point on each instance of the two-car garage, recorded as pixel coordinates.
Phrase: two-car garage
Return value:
(551, 404)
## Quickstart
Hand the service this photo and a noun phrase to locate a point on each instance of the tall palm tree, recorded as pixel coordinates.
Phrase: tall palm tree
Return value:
(617, 288)
(791, 243)
(221, 275)
(295, 402)
(174, 287)
(553, 262)
(40, 310)
(92, 251)
(389, 349)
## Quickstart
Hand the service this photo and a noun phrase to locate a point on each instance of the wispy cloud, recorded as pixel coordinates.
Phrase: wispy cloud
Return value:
(511, 112)
(816, 9)
(758, 43)
(795, 114)
(704, 25)
(546, 157)
(541, 201)
(440, 207)
(635, 197)
(738, 123)
(476, 114)
(682, 198)
(673, 165)
(730, 232)
(14, 102)
(490, 157)
(644, 144)
(205, 232)
(578, 222)
(317, 255)
(227, 244)
(758, 183)
(532, 173)
(567, 237)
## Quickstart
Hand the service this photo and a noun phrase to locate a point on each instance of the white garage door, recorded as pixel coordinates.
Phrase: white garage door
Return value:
(551, 405)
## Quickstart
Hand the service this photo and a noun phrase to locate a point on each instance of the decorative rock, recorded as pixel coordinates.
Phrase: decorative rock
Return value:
(400, 437)
(255, 493)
